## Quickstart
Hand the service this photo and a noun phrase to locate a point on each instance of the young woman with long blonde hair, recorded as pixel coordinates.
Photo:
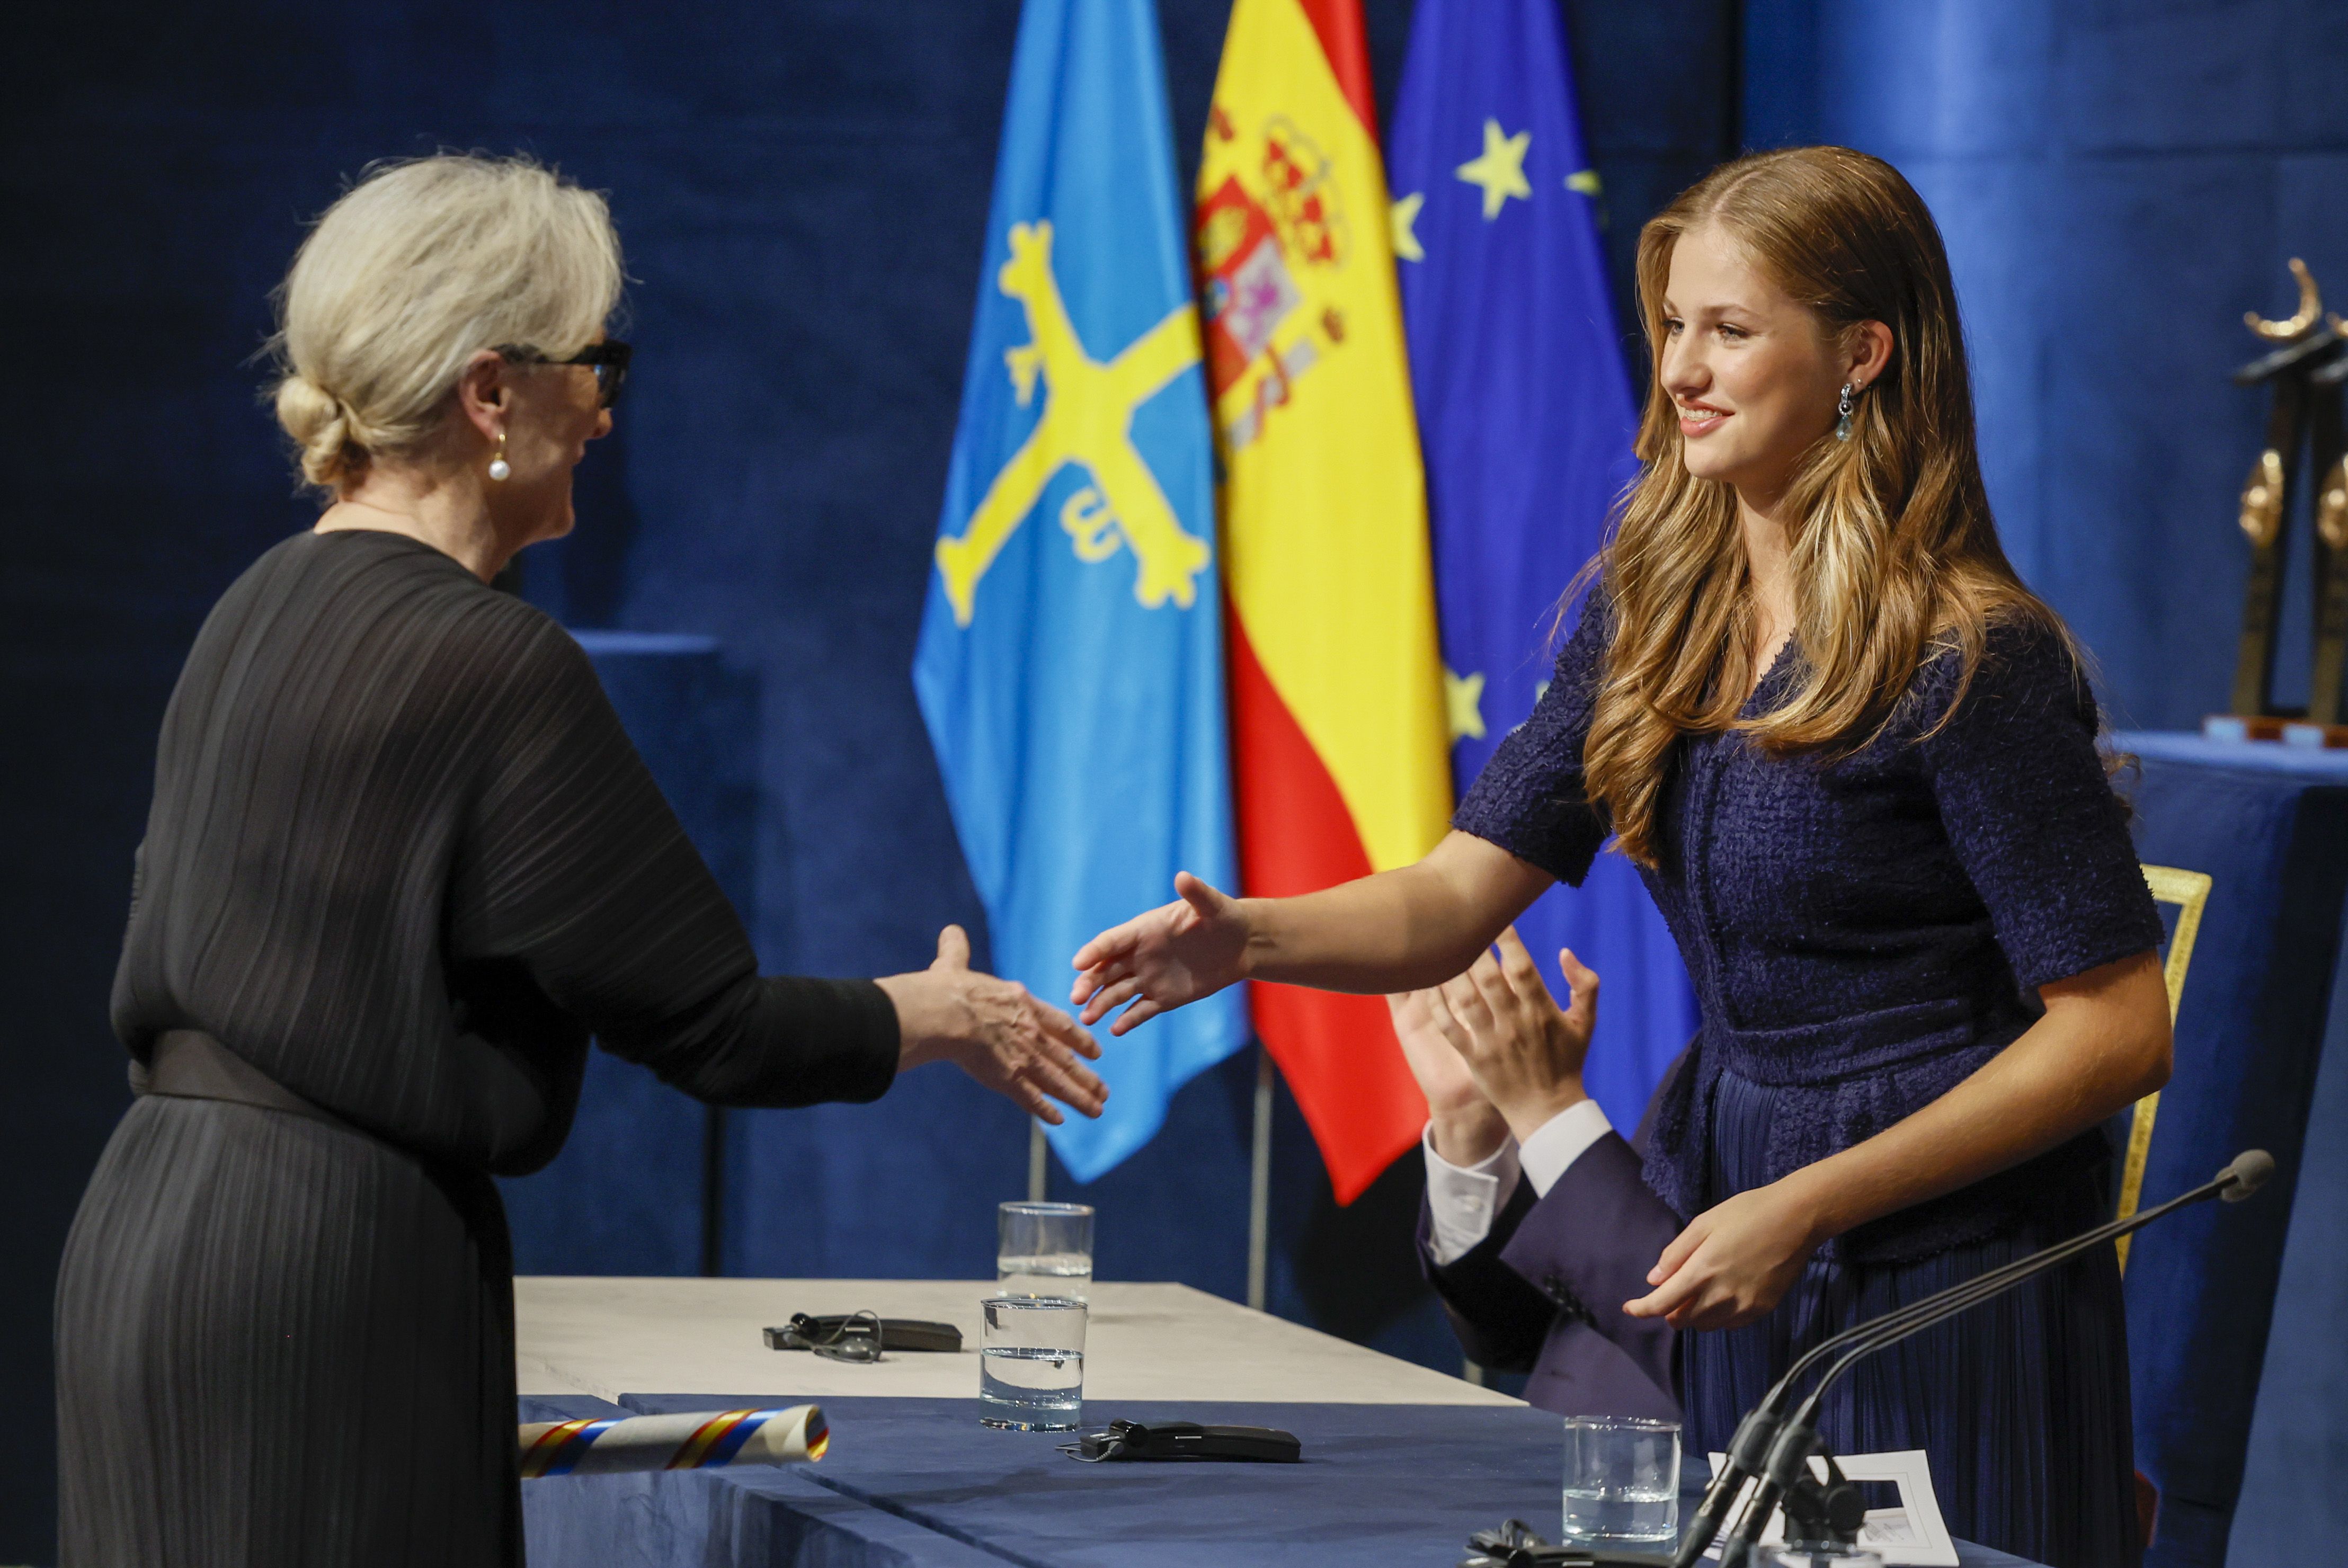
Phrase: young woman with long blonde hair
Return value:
(1857, 761)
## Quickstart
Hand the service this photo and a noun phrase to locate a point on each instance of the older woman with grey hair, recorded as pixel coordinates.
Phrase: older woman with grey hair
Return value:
(402, 862)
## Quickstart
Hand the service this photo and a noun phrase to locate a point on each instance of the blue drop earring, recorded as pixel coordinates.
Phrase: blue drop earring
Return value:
(1844, 408)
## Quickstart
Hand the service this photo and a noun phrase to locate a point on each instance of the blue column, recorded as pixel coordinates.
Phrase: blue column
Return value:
(2116, 185)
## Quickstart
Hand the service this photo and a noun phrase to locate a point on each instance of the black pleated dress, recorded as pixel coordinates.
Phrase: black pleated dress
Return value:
(404, 860)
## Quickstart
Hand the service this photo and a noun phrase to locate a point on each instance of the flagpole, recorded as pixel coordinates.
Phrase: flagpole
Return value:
(1039, 1164)
(1260, 1183)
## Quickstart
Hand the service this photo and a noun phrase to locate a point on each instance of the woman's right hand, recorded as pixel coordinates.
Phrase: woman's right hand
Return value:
(1175, 953)
(1025, 1050)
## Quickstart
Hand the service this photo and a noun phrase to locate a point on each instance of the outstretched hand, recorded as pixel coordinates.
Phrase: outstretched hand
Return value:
(1024, 1050)
(1175, 953)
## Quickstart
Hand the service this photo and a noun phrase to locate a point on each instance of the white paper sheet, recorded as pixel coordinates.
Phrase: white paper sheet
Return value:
(1913, 1533)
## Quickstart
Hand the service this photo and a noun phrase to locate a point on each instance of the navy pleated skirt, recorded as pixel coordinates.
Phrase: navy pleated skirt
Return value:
(2022, 1402)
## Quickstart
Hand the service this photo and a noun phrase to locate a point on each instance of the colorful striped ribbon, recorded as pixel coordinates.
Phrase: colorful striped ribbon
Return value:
(699, 1440)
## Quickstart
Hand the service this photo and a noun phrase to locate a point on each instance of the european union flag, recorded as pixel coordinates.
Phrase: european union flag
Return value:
(1070, 666)
(1524, 416)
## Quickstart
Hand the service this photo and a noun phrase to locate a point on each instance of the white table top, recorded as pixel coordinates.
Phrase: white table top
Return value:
(609, 1336)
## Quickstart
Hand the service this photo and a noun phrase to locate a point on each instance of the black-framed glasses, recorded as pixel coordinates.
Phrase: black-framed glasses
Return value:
(609, 360)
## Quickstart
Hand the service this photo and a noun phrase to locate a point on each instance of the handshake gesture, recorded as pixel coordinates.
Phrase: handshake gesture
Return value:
(1493, 1052)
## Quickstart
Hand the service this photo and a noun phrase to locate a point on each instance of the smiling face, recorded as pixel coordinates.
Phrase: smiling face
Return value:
(1752, 371)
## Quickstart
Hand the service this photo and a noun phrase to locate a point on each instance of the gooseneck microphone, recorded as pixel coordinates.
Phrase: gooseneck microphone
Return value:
(1776, 1449)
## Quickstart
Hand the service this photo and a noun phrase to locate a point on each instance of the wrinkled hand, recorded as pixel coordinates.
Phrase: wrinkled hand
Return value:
(1175, 953)
(1734, 1263)
(1024, 1050)
(1524, 1051)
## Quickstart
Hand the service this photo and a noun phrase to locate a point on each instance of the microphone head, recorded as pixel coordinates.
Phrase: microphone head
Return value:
(2246, 1175)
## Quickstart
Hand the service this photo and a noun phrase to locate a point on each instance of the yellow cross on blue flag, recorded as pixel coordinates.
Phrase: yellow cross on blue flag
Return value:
(1070, 666)
(1525, 418)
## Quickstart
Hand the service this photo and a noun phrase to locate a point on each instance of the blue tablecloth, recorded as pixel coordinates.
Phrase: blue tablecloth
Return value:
(914, 1483)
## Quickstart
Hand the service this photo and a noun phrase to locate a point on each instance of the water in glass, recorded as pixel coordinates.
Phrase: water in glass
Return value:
(1031, 1367)
(1029, 1388)
(1621, 1480)
(1622, 1513)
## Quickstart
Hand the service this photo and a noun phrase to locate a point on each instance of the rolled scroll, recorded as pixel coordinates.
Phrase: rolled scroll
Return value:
(699, 1440)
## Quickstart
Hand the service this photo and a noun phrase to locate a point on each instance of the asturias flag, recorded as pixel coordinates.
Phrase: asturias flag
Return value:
(1337, 719)
(1070, 666)
(1525, 413)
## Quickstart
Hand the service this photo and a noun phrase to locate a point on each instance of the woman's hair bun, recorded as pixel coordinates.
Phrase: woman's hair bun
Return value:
(320, 426)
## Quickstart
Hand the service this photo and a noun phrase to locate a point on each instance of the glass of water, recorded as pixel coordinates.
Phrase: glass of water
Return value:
(1621, 1480)
(1030, 1368)
(1044, 1249)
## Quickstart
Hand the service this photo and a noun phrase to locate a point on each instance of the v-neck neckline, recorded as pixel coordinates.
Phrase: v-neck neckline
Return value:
(1768, 677)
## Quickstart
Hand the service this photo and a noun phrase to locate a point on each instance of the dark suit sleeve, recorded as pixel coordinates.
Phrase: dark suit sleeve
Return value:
(1590, 1239)
(1499, 1318)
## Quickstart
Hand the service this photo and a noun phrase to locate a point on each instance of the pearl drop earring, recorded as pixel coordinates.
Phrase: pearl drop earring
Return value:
(502, 469)
(1842, 407)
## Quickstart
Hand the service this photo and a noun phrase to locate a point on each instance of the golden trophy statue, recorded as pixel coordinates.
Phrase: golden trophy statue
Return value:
(2303, 374)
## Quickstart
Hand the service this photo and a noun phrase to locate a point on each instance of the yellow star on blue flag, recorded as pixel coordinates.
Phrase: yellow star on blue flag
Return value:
(1464, 696)
(1501, 169)
(1402, 216)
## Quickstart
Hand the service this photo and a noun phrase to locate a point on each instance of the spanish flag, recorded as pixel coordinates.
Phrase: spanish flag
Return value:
(1339, 737)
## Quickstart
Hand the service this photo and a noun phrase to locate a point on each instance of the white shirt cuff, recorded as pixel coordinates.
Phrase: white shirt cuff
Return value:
(1461, 1200)
(1559, 1141)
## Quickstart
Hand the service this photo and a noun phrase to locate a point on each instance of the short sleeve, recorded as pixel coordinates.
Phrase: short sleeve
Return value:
(1529, 797)
(2030, 811)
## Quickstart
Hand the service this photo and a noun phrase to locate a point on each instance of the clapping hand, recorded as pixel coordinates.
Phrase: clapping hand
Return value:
(1175, 953)
(1524, 1051)
(1466, 1127)
(1024, 1050)
(1497, 1035)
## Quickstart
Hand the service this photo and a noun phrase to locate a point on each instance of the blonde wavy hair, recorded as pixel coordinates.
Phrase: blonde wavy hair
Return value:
(417, 267)
(1895, 557)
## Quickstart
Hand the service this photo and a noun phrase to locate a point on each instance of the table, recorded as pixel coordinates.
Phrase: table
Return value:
(1402, 1463)
(607, 1337)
